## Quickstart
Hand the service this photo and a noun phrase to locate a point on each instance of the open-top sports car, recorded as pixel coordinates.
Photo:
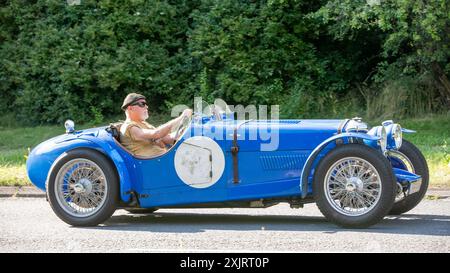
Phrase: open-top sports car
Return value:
(354, 174)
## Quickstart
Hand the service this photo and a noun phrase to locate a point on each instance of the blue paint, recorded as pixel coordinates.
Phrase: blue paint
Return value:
(286, 172)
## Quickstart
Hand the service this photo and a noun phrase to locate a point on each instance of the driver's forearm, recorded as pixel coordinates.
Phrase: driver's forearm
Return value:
(163, 130)
(157, 133)
(174, 122)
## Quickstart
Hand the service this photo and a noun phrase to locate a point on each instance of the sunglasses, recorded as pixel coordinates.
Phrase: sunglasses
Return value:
(140, 104)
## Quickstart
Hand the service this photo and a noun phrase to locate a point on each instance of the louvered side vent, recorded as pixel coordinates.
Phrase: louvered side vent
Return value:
(289, 121)
(283, 121)
(282, 162)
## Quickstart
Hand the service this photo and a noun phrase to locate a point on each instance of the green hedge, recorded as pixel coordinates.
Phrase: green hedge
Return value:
(314, 58)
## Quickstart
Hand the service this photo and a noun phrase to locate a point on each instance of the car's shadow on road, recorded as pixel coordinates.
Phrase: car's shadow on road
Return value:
(412, 224)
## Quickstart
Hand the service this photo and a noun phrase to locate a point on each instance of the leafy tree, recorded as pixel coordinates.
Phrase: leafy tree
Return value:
(63, 61)
(414, 37)
(262, 52)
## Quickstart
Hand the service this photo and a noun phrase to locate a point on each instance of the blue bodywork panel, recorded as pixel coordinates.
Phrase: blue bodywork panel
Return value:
(285, 172)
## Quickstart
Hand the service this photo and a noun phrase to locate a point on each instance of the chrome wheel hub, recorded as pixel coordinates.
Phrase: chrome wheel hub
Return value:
(78, 188)
(84, 186)
(354, 184)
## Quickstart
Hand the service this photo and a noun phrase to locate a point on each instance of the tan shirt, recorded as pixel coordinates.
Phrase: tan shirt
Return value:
(145, 148)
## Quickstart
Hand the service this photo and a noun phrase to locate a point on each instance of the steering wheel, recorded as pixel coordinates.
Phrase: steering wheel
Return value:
(182, 127)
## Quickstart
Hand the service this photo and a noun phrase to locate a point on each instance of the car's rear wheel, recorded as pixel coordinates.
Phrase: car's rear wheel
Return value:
(354, 186)
(82, 188)
(409, 158)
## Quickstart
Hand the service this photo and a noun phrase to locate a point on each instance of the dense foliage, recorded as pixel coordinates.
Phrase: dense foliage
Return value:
(314, 58)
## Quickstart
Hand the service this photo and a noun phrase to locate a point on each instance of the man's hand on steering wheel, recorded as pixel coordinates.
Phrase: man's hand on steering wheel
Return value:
(185, 117)
(187, 112)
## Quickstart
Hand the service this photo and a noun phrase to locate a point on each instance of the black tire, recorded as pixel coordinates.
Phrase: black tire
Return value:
(111, 197)
(387, 194)
(421, 168)
(140, 210)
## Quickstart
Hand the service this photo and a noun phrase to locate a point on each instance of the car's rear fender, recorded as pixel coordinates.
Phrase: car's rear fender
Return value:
(42, 159)
(323, 148)
(114, 156)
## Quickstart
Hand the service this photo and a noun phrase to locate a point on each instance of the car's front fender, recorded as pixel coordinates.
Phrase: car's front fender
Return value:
(311, 160)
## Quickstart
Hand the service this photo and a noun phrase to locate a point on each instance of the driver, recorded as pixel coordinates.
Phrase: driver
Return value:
(140, 137)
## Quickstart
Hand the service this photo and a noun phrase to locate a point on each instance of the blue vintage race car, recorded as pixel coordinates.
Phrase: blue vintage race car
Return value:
(354, 174)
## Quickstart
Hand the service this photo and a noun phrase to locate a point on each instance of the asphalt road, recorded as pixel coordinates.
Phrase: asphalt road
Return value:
(29, 225)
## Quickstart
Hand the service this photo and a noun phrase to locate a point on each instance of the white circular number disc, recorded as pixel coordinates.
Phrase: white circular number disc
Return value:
(199, 162)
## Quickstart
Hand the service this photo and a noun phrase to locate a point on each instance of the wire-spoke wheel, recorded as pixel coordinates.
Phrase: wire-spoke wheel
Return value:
(354, 186)
(82, 188)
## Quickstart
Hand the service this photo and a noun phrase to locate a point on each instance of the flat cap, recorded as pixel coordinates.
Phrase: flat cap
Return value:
(130, 99)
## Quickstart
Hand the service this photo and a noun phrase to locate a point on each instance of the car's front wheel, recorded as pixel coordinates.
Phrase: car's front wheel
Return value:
(354, 186)
(82, 188)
